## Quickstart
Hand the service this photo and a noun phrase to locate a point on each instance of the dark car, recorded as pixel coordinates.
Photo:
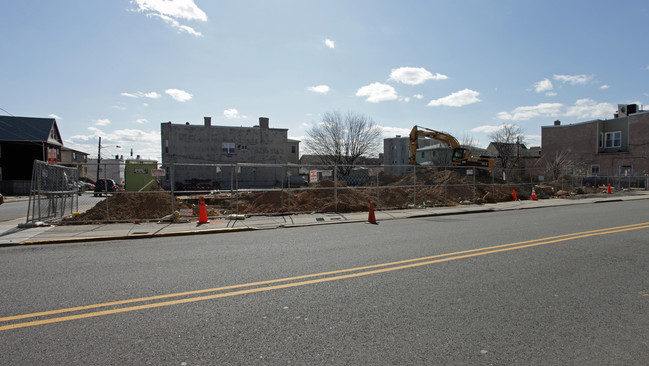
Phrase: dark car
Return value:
(104, 186)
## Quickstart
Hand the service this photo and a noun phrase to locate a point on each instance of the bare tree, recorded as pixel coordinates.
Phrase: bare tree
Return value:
(558, 163)
(508, 140)
(341, 140)
(470, 143)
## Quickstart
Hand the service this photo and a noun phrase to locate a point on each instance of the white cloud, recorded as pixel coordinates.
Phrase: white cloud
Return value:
(322, 89)
(144, 143)
(54, 116)
(543, 85)
(487, 129)
(582, 109)
(418, 96)
(139, 94)
(184, 9)
(529, 112)
(233, 114)
(377, 92)
(551, 94)
(414, 75)
(172, 10)
(102, 122)
(574, 79)
(532, 140)
(180, 27)
(604, 87)
(152, 95)
(588, 108)
(457, 99)
(179, 95)
(329, 43)
(388, 132)
(141, 120)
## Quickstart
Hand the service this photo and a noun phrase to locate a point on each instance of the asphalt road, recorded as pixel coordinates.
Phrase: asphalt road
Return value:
(15, 209)
(11, 210)
(548, 286)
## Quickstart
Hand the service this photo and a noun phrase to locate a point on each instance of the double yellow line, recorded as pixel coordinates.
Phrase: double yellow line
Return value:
(115, 307)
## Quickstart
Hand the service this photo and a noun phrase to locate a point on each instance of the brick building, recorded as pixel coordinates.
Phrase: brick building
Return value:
(613, 147)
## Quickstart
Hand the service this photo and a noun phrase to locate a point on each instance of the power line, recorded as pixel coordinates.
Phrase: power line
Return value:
(7, 112)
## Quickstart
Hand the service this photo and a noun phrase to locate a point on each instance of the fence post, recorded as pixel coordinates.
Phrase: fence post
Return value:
(106, 193)
(336, 187)
(414, 185)
(172, 181)
(445, 186)
(474, 185)
(288, 191)
(286, 175)
(378, 191)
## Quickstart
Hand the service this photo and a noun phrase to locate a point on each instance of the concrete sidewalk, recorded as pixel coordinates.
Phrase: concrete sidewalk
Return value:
(12, 235)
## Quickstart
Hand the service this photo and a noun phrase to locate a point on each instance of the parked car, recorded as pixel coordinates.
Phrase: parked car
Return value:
(104, 186)
(85, 186)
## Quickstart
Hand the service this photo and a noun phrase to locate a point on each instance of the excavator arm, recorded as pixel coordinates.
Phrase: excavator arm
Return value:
(418, 132)
(460, 155)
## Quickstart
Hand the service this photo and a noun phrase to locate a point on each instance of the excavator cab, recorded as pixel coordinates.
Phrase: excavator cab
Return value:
(459, 154)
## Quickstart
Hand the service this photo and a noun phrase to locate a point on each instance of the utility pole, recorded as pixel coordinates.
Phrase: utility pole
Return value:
(98, 158)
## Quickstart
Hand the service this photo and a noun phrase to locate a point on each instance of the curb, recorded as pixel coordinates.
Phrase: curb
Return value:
(294, 225)
(128, 237)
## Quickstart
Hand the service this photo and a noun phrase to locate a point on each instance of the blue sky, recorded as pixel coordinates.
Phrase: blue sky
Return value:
(118, 68)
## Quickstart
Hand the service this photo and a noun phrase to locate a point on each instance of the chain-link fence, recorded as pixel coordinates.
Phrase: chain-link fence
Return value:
(143, 192)
(54, 192)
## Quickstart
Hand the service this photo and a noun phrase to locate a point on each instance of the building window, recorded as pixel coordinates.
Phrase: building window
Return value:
(293, 149)
(166, 146)
(228, 147)
(626, 170)
(243, 147)
(594, 170)
(601, 140)
(613, 139)
(74, 156)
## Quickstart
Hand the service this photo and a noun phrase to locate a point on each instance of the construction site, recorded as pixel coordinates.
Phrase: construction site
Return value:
(429, 188)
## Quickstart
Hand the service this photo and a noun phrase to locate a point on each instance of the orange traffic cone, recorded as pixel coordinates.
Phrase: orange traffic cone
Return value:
(608, 191)
(371, 219)
(202, 213)
(533, 194)
(514, 195)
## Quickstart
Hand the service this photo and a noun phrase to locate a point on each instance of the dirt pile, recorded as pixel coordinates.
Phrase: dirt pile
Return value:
(130, 206)
(434, 188)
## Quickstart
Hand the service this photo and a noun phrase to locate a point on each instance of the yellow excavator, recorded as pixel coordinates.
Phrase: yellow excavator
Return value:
(460, 155)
